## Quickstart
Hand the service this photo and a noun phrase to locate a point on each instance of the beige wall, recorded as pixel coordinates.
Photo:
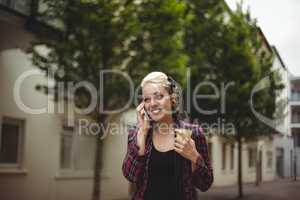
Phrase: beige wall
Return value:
(229, 176)
(115, 186)
(39, 177)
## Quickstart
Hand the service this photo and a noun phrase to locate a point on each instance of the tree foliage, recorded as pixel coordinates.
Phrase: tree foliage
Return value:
(140, 36)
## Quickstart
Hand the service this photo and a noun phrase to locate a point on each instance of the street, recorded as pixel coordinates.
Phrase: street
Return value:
(275, 190)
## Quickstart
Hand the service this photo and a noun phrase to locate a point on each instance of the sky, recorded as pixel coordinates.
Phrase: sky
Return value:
(280, 22)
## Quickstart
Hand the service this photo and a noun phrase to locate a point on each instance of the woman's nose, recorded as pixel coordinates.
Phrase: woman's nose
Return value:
(153, 102)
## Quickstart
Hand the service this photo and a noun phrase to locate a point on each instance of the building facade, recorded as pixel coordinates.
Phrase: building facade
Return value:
(294, 105)
(41, 156)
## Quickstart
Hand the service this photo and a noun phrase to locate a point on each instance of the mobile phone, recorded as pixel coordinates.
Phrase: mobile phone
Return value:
(147, 116)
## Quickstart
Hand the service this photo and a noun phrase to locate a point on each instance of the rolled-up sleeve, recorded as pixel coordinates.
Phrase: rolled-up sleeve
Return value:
(133, 163)
(202, 177)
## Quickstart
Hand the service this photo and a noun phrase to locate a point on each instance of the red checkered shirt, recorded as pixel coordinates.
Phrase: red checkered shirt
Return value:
(135, 167)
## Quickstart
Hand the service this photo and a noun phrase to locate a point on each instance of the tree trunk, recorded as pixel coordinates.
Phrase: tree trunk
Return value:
(97, 185)
(240, 178)
(100, 118)
(295, 157)
(258, 167)
(97, 166)
(295, 166)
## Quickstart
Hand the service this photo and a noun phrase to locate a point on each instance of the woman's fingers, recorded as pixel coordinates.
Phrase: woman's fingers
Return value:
(185, 147)
(178, 145)
(181, 143)
(140, 107)
(140, 110)
(142, 122)
(181, 140)
(178, 150)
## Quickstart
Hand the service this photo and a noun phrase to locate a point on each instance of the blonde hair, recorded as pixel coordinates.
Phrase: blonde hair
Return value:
(170, 85)
(158, 78)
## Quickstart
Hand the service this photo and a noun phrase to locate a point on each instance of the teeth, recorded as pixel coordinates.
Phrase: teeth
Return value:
(156, 111)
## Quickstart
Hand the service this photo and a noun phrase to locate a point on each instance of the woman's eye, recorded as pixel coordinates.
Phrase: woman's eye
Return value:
(159, 96)
(146, 99)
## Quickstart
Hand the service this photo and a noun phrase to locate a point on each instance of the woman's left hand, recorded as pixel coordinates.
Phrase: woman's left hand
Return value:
(186, 147)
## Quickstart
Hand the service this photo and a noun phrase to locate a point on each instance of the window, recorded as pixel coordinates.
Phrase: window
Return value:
(269, 159)
(22, 6)
(77, 151)
(11, 142)
(209, 144)
(295, 116)
(296, 139)
(251, 157)
(293, 95)
(66, 147)
(232, 156)
(224, 156)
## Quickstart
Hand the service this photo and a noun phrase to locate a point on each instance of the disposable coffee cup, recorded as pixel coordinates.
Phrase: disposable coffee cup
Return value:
(183, 133)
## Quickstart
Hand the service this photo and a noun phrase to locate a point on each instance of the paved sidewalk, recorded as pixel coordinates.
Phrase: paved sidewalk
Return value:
(282, 189)
(276, 190)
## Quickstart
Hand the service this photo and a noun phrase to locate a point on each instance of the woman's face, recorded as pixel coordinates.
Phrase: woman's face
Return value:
(157, 102)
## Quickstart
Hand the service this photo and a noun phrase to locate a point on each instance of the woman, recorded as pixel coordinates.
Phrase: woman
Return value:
(161, 164)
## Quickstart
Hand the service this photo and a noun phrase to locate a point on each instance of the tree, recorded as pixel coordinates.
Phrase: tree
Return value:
(227, 48)
(139, 36)
(133, 37)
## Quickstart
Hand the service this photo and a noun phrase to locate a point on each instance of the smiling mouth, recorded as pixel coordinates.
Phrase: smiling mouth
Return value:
(156, 110)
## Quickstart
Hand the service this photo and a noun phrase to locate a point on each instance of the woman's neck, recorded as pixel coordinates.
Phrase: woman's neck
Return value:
(165, 126)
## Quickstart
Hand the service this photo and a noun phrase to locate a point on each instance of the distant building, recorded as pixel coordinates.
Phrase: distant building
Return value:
(294, 105)
(283, 142)
(268, 158)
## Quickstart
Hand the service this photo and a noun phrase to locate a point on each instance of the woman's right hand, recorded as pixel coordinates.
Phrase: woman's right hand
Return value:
(144, 126)
(143, 122)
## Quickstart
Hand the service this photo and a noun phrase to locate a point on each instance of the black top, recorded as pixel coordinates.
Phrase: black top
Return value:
(162, 181)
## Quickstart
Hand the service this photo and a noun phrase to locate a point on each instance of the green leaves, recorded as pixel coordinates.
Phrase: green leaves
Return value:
(131, 36)
(225, 46)
(140, 36)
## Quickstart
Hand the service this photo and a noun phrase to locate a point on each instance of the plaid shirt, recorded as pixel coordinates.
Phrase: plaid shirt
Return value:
(135, 167)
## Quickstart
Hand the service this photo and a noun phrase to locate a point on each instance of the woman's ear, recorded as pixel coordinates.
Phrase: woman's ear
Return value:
(173, 98)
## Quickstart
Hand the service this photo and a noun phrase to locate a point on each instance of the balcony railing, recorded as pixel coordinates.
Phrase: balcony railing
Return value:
(20, 6)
